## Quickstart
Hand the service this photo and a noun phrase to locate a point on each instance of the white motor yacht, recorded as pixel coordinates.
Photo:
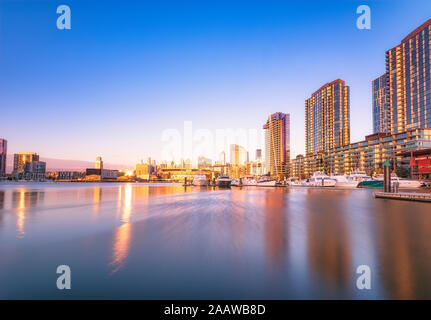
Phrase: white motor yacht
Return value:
(403, 183)
(319, 179)
(266, 181)
(249, 180)
(200, 180)
(235, 183)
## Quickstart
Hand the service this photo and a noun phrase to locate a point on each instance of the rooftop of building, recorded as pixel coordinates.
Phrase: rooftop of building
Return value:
(416, 153)
(328, 85)
(418, 30)
(276, 116)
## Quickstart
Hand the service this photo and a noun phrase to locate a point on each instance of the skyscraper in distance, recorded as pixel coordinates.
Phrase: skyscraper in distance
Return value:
(277, 144)
(99, 163)
(3, 156)
(21, 159)
(258, 154)
(327, 117)
(238, 155)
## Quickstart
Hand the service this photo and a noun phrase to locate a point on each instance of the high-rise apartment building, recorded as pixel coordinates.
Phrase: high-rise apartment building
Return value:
(381, 112)
(258, 154)
(26, 165)
(21, 159)
(3, 155)
(327, 117)
(238, 155)
(408, 81)
(277, 144)
(204, 162)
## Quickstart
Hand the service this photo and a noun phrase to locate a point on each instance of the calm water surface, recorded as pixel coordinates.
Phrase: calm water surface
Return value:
(171, 242)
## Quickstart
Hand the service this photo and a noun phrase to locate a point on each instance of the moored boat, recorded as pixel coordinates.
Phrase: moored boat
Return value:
(235, 183)
(351, 180)
(345, 181)
(223, 182)
(319, 179)
(249, 180)
(378, 182)
(200, 180)
(266, 181)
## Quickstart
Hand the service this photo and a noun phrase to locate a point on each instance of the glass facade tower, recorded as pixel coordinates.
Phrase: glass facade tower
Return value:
(327, 117)
(408, 81)
(3, 155)
(381, 114)
(277, 144)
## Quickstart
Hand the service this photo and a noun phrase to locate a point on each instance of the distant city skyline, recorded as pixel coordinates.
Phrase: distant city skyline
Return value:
(111, 85)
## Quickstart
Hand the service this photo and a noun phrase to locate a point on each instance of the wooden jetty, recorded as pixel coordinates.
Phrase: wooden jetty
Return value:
(410, 196)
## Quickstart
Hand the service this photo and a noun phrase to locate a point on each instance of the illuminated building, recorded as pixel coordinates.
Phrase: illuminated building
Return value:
(381, 114)
(180, 174)
(256, 167)
(297, 167)
(238, 155)
(327, 117)
(420, 163)
(144, 170)
(99, 163)
(277, 144)
(26, 166)
(370, 154)
(3, 155)
(21, 159)
(408, 81)
(222, 159)
(258, 154)
(204, 162)
(102, 173)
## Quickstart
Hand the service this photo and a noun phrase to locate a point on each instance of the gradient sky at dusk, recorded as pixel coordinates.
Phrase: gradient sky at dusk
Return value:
(127, 70)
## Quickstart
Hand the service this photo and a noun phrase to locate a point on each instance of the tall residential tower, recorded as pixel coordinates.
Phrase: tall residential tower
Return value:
(408, 81)
(3, 155)
(327, 117)
(277, 144)
(381, 114)
(238, 155)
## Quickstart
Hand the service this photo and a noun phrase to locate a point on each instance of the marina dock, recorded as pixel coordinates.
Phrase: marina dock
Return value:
(410, 196)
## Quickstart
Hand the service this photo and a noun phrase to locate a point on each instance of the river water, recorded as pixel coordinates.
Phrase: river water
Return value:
(138, 241)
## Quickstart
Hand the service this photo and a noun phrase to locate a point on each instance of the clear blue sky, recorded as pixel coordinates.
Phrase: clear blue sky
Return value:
(127, 70)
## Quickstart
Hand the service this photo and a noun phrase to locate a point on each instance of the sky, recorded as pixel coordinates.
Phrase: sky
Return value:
(127, 72)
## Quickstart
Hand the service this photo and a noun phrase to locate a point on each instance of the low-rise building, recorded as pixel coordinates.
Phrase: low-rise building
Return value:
(102, 173)
(297, 167)
(370, 154)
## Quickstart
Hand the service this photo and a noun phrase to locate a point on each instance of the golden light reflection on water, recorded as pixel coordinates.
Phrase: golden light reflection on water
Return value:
(123, 233)
(328, 240)
(275, 231)
(20, 221)
(22, 200)
(121, 246)
(127, 203)
(97, 198)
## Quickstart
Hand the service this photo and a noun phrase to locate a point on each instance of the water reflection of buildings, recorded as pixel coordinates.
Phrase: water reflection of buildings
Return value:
(97, 199)
(1, 206)
(21, 201)
(130, 195)
(122, 235)
(275, 230)
(405, 250)
(328, 241)
(1, 200)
